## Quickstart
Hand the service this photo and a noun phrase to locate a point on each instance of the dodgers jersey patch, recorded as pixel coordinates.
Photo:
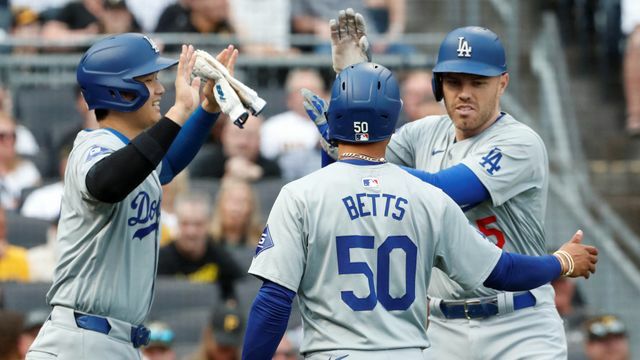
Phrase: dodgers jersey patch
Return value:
(265, 241)
(95, 151)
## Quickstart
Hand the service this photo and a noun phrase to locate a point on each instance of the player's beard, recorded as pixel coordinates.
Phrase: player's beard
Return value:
(471, 125)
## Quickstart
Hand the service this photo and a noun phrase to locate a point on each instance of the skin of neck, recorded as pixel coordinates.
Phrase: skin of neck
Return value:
(462, 134)
(374, 150)
(124, 123)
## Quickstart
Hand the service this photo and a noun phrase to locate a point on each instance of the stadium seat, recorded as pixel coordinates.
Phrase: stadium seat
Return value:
(26, 232)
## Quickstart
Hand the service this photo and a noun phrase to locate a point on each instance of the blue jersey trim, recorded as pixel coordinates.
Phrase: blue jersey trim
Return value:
(360, 162)
(120, 136)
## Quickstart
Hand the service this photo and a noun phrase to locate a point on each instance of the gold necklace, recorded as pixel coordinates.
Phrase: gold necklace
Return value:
(362, 157)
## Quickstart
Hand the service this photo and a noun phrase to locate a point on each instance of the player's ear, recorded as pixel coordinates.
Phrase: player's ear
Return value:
(503, 82)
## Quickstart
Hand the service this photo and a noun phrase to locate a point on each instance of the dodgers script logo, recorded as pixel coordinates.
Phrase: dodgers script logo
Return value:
(464, 50)
(147, 211)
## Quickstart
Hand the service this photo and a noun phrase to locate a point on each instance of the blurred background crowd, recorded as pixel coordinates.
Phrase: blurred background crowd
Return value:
(575, 78)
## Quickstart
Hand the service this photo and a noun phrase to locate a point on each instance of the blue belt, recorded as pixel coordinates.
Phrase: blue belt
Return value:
(482, 308)
(139, 334)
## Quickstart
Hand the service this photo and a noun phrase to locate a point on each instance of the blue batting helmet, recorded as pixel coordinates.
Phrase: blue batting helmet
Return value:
(365, 104)
(469, 50)
(109, 67)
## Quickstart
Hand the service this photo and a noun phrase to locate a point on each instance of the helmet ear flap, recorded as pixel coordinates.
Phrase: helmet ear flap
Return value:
(436, 86)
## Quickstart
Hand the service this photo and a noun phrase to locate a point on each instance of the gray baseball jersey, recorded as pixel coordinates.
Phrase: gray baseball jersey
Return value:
(357, 244)
(108, 252)
(510, 160)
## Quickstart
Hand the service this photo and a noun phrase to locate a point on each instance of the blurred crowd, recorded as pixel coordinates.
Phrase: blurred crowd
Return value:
(213, 213)
(261, 27)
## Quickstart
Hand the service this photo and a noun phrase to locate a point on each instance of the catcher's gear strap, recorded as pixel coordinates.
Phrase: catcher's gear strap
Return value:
(111, 179)
(268, 321)
(184, 148)
(458, 181)
(516, 272)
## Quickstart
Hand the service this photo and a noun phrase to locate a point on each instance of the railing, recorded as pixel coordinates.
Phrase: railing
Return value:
(573, 203)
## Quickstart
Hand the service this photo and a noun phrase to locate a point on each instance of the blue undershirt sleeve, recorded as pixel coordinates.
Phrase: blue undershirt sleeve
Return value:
(458, 181)
(184, 148)
(516, 272)
(267, 322)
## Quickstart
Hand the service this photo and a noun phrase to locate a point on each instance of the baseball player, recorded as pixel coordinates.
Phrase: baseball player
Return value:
(496, 169)
(356, 242)
(108, 231)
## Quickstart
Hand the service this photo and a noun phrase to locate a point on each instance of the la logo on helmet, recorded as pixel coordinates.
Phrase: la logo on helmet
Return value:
(464, 50)
(153, 44)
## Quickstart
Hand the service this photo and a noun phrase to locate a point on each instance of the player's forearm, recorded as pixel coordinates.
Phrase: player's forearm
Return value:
(268, 321)
(516, 272)
(114, 177)
(458, 181)
(184, 148)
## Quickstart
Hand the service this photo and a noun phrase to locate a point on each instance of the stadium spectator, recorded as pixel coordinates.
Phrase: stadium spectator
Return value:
(65, 134)
(291, 137)
(389, 20)
(116, 18)
(160, 342)
(263, 27)
(32, 323)
(607, 339)
(571, 309)
(417, 97)
(193, 255)
(197, 16)
(16, 173)
(43, 258)
(222, 337)
(311, 17)
(26, 144)
(238, 155)
(169, 221)
(76, 20)
(631, 28)
(237, 223)
(13, 259)
(147, 12)
(26, 25)
(10, 326)
(44, 202)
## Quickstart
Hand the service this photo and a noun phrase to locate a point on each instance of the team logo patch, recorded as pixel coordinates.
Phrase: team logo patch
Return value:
(153, 44)
(464, 49)
(95, 151)
(265, 241)
(491, 161)
(370, 182)
(362, 137)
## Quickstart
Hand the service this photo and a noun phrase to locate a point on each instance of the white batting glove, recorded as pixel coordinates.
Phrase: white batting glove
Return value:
(225, 96)
(247, 95)
(349, 43)
(316, 109)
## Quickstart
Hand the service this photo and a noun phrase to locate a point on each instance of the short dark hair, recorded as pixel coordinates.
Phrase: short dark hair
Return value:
(101, 114)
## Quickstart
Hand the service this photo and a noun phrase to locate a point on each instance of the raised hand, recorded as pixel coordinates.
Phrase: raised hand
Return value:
(187, 90)
(577, 259)
(228, 57)
(349, 43)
